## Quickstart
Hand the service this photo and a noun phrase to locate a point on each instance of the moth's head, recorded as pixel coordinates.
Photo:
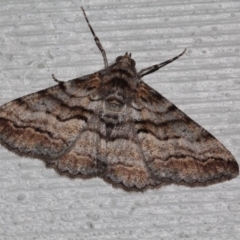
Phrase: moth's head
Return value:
(126, 60)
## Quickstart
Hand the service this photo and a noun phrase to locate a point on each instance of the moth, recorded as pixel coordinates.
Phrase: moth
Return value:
(112, 125)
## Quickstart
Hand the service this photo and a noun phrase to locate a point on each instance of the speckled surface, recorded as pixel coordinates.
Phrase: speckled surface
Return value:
(45, 37)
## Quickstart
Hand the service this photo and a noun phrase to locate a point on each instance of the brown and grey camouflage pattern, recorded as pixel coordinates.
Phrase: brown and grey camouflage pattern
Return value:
(112, 125)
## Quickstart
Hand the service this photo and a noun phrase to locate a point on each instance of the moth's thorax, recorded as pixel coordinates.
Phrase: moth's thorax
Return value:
(120, 83)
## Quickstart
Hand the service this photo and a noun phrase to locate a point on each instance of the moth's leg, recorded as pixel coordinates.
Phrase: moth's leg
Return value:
(97, 41)
(154, 68)
(56, 80)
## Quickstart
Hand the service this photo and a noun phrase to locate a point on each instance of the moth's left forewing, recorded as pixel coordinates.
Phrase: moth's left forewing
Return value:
(47, 123)
(176, 148)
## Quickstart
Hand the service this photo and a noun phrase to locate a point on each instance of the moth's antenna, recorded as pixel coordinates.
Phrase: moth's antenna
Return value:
(154, 68)
(97, 41)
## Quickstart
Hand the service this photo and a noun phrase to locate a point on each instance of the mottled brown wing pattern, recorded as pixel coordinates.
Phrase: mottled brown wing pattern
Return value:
(83, 158)
(47, 124)
(176, 149)
(112, 125)
(123, 156)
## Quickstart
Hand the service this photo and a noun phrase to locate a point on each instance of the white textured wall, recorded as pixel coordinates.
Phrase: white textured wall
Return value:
(38, 38)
